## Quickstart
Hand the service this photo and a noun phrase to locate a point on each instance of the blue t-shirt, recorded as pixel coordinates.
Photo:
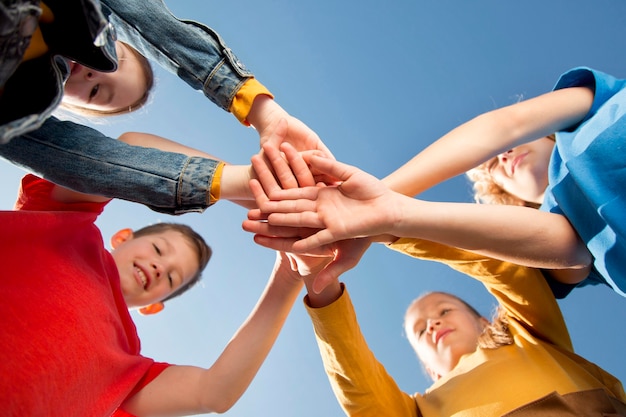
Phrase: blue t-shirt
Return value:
(587, 175)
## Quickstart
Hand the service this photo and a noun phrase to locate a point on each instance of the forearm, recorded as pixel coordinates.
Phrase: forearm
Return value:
(517, 234)
(360, 383)
(191, 50)
(233, 371)
(488, 135)
(84, 160)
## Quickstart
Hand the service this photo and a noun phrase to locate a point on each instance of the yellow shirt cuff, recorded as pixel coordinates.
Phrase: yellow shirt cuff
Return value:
(242, 103)
(215, 191)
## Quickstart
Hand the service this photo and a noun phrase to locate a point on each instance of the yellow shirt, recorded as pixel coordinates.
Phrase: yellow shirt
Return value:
(488, 382)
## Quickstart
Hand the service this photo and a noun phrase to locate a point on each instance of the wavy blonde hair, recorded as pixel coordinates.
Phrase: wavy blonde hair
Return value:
(487, 191)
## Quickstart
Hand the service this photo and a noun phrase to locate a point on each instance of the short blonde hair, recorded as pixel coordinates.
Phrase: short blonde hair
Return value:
(487, 191)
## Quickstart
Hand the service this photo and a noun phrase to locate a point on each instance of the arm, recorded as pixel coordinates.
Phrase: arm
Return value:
(85, 160)
(488, 135)
(361, 384)
(364, 206)
(233, 184)
(186, 390)
(200, 57)
(233, 181)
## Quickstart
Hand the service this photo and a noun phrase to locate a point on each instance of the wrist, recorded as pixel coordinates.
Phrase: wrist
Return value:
(235, 182)
(263, 112)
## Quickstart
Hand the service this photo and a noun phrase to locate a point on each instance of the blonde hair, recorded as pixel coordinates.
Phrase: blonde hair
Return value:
(148, 74)
(487, 191)
(496, 333)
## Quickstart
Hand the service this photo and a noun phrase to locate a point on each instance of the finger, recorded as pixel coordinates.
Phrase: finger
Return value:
(320, 238)
(333, 168)
(256, 215)
(264, 173)
(307, 219)
(298, 166)
(280, 166)
(266, 229)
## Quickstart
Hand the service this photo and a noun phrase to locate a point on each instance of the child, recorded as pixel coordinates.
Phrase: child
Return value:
(580, 179)
(70, 346)
(96, 93)
(578, 233)
(522, 363)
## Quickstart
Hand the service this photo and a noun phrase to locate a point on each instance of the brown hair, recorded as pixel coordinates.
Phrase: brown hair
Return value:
(148, 74)
(203, 251)
(487, 191)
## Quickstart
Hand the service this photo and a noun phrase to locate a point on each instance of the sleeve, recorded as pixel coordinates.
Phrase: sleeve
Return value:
(166, 182)
(360, 383)
(522, 291)
(154, 371)
(35, 194)
(603, 85)
(194, 52)
(242, 103)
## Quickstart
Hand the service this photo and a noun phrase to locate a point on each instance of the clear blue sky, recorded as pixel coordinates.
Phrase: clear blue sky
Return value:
(379, 81)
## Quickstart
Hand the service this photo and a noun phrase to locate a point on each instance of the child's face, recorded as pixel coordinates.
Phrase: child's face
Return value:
(441, 330)
(152, 267)
(107, 91)
(523, 170)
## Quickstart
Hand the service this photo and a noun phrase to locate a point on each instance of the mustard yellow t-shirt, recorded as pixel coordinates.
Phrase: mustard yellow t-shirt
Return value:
(488, 382)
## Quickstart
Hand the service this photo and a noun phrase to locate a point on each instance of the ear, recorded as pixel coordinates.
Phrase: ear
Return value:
(120, 237)
(151, 309)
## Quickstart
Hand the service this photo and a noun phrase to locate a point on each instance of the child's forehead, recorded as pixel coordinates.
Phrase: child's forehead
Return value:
(426, 304)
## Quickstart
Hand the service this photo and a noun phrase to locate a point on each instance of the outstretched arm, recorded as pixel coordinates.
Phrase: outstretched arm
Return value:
(488, 135)
(233, 181)
(183, 390)
(363, 206)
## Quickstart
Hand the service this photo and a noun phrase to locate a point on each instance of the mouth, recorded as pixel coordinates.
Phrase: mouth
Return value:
(516, 162)
(142, 277)
(440, 335)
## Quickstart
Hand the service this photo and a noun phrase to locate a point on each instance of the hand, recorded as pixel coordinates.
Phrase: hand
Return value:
(265, 113)
(337, 257)
(360, 206)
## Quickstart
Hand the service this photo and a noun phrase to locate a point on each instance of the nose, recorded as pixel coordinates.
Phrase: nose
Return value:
(158, 270)
(505, 156)
(432, 324)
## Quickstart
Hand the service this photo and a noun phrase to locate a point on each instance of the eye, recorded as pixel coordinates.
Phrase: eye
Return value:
(169, 277)
(491, 165)
(94, 91)
(444, 311)
(156, 248)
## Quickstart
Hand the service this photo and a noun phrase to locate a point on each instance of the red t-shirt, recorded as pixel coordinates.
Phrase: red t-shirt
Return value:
(69, 345)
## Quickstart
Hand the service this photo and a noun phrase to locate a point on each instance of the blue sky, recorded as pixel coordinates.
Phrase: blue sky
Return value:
(378, 81)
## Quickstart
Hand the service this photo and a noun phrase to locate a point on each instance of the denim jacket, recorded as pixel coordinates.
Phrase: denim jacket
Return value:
(64, 153)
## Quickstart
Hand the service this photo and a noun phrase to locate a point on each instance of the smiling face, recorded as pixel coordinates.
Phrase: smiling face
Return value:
(154, 266)
(441, 329)
(107, 91)
(523, 170)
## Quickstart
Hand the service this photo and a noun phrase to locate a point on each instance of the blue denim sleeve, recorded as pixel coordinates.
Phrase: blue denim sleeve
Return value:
(191, 50)
(85, 160)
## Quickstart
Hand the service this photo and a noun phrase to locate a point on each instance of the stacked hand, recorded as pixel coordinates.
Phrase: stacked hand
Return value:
(330, 218)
